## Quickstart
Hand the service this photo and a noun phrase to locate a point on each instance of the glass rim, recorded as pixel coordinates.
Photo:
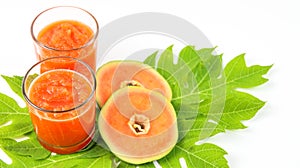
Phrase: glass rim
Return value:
(91, 95)
(91, 41)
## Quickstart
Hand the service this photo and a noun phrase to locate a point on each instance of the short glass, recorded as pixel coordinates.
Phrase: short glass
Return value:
(66, 31)
(61, 103)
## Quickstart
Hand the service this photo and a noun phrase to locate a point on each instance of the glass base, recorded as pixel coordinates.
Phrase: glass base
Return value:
(68, 149)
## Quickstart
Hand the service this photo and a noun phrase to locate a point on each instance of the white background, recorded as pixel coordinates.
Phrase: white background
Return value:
(267, 31)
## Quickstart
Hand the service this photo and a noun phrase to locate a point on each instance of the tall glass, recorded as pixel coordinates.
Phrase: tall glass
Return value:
(61, 103)
(66, 31)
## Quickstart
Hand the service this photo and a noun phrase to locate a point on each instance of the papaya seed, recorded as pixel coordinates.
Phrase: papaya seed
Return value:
(130, 83)
(139, 124)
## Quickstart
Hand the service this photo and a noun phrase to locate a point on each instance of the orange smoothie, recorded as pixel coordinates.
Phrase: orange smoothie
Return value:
(68, 38)
(64, 121)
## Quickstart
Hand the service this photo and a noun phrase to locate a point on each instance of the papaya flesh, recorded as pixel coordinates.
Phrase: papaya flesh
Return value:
(117, 74)
(138, 125)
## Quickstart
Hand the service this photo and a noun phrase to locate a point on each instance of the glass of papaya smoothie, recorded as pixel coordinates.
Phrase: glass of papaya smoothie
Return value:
(61, 103)
(66, 31)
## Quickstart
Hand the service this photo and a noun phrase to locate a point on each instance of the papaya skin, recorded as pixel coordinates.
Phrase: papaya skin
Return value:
(116, 116)
(117, 74)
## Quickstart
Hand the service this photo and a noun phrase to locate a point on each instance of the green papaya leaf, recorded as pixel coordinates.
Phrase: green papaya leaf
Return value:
(14, 119)
(15, 83)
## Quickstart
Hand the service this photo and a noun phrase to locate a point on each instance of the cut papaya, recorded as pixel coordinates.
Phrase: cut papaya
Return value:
(138, 125)
(117, 74)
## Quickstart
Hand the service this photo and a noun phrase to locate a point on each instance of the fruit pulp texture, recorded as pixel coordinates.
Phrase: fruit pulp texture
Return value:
(68, 38)
(57, 91)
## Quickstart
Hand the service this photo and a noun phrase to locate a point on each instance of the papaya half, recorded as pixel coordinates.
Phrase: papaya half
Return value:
(117, 74)
(138, 125)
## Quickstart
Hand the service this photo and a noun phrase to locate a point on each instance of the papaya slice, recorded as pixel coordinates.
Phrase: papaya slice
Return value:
(138, 125)
(117, 74)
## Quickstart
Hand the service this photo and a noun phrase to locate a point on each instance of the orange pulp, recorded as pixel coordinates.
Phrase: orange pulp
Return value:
(64, 120)
(68, 38)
